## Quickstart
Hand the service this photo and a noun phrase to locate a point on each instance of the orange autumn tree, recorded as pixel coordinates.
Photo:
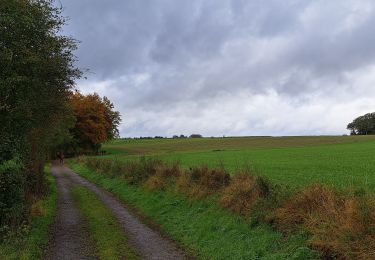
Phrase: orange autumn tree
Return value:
(96, 121)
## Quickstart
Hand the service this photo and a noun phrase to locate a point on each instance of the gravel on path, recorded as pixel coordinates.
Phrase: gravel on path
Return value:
(69, 235)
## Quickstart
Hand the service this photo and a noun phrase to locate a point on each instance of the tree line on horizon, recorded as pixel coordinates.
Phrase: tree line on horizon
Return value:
(161, 137)
(41, 112)
(363, 125)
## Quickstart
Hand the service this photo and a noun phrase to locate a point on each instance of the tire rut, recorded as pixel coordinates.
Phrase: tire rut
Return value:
(148, 242)
(69, 235)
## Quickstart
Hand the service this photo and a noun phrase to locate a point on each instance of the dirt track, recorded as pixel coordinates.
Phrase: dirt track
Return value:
(69, 238)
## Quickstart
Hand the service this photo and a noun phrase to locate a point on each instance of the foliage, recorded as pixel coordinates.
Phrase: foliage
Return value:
(363, 125)
(342, 225)
(202, 181)
(12, 197)
(37, 74)
(243, 192)
(29, 241)
(96, 121)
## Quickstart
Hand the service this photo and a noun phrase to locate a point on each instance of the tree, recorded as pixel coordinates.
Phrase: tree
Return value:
(363, 125)
(37, 74)
(96, 121)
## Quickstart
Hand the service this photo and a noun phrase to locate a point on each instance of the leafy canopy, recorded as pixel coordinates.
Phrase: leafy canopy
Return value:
(363, 125)
(96, 120)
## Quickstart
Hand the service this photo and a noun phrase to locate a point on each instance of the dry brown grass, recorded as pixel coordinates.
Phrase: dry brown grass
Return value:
(199, 182)
(162, 175)
(155, 182)
(243, 192)
(37, 209)
(184, 184)
(341, 225)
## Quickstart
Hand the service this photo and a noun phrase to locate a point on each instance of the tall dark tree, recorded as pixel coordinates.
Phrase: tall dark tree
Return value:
(363, 125)
(37, 73)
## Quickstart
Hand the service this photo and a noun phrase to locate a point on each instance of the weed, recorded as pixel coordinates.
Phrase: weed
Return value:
(341, 225)
(243, 192)
(155, 182)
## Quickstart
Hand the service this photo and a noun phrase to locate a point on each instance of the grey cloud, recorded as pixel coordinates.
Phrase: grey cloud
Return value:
(154, 57)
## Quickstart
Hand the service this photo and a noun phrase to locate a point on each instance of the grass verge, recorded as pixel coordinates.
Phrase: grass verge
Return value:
(202, 226)
(111, 242)
(340, 223)
(31, 241)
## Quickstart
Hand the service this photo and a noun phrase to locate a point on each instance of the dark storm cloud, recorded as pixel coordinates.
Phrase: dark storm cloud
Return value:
(167, 62)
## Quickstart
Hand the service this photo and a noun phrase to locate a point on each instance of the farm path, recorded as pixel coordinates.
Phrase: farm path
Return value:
(148, 242)
(69, 235)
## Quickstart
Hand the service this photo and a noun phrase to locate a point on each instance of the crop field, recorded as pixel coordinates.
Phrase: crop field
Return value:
(342, 161)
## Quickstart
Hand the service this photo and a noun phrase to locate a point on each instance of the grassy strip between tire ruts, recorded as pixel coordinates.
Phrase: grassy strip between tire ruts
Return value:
(110, 240)
(203, 227)
(31, 241)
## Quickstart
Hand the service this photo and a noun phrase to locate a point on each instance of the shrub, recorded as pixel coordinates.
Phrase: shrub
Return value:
(243, 192)
(155, 182)
(137, 172)
(341, 225)
(212, 179)
(173, 171)
(201, 181)
(13, 207)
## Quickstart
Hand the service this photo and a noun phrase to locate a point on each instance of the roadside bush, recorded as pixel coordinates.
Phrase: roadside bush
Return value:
(104, 166)
(155, 182)
(212, 179)
(243, 192)
(137, 172)
(13, 207)
(184, 182)
(201, 181)
(163, 175)
(134, 172)
(341, 225)
(173, 171)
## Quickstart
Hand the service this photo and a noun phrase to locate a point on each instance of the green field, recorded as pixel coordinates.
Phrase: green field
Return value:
(342, 161)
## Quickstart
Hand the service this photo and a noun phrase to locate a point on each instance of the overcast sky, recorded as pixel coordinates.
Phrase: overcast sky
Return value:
(240, 67)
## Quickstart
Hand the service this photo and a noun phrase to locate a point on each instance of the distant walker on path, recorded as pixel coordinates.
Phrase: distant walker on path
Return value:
(61, 157)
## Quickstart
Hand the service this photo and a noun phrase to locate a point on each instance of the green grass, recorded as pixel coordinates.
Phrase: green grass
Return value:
(32, 244)
(202, 226)
(341, 161)
(110, 240)
(158, 146)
